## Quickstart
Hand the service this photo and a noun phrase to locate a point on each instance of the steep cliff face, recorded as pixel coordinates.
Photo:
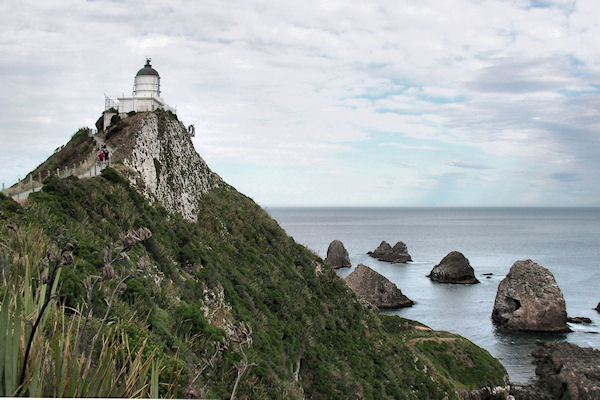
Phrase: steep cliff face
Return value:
(166, 167)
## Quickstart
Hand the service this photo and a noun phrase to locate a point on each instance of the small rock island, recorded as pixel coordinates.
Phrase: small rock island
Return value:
(337, 255)
(375, 288)
(454, 268)
(529, 299)
(394, 255)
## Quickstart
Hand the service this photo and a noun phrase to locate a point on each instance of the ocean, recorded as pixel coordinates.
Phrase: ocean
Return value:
(564, 240)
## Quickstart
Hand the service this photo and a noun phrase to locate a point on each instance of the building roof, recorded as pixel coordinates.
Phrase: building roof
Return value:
(147, 70)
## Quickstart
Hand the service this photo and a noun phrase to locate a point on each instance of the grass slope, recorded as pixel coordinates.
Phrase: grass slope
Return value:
(196, 282)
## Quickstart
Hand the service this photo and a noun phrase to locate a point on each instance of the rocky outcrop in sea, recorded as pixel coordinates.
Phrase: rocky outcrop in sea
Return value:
(396, 254)
(454, 268)
(563, 371)
(598, 307)
(376, 289)
(579, 320)
(529, 299)
(337, 255)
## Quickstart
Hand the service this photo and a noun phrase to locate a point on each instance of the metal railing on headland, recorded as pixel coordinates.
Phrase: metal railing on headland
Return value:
(86, 168)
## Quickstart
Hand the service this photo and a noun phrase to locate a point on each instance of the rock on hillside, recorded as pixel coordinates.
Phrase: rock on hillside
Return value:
(376, 288)
(529, 299)
(165, 165)
(396, 254)
(337, 255)
(454, 268)
(564, 371)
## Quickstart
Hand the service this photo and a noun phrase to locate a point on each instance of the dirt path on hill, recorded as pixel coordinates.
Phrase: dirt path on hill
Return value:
(434, 339)
(94, 170)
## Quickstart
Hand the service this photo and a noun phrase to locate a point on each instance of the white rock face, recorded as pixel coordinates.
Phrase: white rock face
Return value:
(169, 167)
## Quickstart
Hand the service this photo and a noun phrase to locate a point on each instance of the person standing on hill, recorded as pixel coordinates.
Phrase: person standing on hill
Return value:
(106, 153)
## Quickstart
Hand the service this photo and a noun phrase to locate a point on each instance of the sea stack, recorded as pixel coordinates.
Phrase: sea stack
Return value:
(376, 288)
(598, 307)
(454, 268)
(396, 254)
(529, 299)
(337, 256)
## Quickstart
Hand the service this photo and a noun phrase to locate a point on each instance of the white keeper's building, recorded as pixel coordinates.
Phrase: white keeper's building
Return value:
(145, 97)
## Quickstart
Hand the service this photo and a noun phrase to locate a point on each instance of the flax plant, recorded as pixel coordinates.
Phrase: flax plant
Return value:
(39, 351)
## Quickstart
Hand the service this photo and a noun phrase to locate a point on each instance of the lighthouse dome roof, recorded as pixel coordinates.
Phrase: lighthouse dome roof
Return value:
(147, 70)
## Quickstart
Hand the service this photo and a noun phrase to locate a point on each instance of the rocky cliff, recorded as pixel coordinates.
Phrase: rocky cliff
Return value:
(563, 371)
(162, 161)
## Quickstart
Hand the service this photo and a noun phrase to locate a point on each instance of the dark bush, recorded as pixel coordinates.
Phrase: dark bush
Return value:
(113, 176)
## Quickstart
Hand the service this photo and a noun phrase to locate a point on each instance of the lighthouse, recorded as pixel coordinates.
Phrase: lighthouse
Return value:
(147, 82)
(146, 92)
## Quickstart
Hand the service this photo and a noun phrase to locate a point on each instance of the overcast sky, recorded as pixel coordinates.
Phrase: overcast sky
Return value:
(335, 103)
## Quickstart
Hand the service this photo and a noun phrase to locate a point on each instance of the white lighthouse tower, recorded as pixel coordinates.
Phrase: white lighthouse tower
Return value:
(147, 82)
(146, 92)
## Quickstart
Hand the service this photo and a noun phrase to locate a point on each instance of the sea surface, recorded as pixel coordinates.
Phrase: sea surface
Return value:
(564, 240)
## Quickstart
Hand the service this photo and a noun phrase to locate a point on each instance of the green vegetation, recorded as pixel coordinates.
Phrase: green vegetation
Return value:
(459, 361)
(74, 152)
(42, 353)
(202, 308)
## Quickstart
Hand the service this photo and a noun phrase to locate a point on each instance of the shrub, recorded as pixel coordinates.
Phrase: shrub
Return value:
(113, 176)
(192, 321)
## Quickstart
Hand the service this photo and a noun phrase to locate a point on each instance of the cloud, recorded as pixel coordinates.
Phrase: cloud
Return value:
(405, 146)
(324, 84)
(565, 176)
(467, 165)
